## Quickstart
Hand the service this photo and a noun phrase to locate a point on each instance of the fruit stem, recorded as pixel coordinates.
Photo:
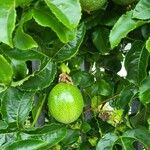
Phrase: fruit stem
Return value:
(64, 68)
(39, 111)
(63, 77)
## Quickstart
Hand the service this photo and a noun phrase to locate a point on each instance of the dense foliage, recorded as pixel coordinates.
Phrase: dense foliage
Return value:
(38, 36)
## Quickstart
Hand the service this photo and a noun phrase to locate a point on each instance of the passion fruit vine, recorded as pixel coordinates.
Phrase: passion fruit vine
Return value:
(65, 102)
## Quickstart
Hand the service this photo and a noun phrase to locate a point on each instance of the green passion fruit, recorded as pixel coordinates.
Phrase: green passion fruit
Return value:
(65, 103)
(123, 2)
(92, 5)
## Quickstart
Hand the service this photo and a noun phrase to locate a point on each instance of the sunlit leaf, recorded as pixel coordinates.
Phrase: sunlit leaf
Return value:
(46, 18)
(122, 27)
(148, 44)
(6, 71)
(22, 40)
(142, 10)
(7, 21)
(68, 12)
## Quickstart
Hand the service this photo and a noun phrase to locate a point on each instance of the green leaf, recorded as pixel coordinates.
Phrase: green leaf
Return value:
(25, 55)
(82, 79)
(148, 44)
(140, 135)
(25, 144)
(19, 68)
(22, 40)
(49, 135)
(139, 120)
(7, 21)
(22, 3)
(86, 127)
(104, 88)
(7, 138)
(126, 143)
(3, 125)
(100, 87)
(126, 140)
(16, 105)
(122, 27)
(145, 31)
(68, 12)
(40, 79)
(136, 62)
(142, 10)
(70, 49)
(126, 96)
(6, 71)
(101, 40)
(45, 18)
(107, 142)
(71, 136)
(144, 91)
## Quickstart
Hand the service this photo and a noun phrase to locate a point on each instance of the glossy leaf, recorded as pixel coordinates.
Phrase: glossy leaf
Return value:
(71, 136)
(101, 40)
(122, 27)
(148, 44)
(142, 10)
(100, 87)
(107, 142)
(22, 40)
(44, 17)
(68, 12)
(19, 68)
(144, 92)
(82, 79)
(7, 21)
(25, 55)
(40, 79)
(126, 96)
(126, 143)
(25, 144)
(136, 62)
(126, 140)
(139, 120)
(49, 135)
(6, 71)
(139, 135)
(16, 105)
(104, 88)
(70, 49)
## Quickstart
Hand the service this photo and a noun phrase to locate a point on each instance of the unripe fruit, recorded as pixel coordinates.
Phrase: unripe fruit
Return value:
(92, 5)
(65, 103)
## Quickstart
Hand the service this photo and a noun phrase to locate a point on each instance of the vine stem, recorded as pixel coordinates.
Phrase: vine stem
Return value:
(39, 111)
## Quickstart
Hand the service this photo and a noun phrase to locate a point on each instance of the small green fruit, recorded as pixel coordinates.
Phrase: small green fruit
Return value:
(65, 103)
(92, 5)
(124, 2)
